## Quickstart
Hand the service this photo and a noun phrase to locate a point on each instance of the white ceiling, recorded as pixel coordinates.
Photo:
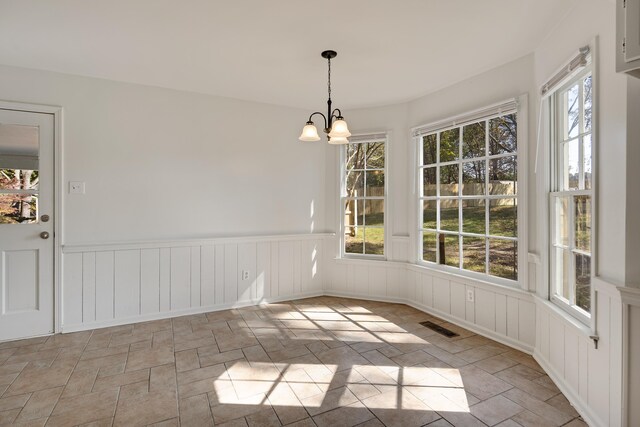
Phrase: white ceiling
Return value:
(269, 51)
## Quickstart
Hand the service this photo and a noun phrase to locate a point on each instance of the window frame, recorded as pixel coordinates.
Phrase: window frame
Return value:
(485, 114)
(556, 138)
(363, 139)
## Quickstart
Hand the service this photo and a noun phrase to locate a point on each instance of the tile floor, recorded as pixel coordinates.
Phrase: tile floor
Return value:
(320, 361)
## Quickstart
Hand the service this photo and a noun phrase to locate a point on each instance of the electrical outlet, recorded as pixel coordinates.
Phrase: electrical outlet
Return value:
(245, 275)
(470, 295)
(76, 187)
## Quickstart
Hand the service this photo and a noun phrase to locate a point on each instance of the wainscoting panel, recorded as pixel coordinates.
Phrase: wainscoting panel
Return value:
(588, 376)
(114, 284)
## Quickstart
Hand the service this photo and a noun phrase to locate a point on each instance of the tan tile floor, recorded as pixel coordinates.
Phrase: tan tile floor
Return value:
(320, 361)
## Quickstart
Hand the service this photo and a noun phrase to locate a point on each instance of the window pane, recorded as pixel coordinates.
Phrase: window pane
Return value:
(562, 221)
(355, 156)
(429, 181)
(449, 250)
(473, 216)
(583, 223)
(503, 177)
(449, 145)
(449, 218)
(562, 273)
(375, 183)
(374, 240)
(355, 184)
(349, 212)
(473, 178)
(18, 209)
(354, 240)
(375, 155)
(571, 166)
(474, 140)
(503, 258)
(429, 213)
(473, 254)
(449, 180)
(359, 212)
(503, 217)
(429, 149)
(586, 144)
(588, 102)
(374, 212)
(572, 111)
(429, 246)
(19, 179)
(503, 135)
(583, 281)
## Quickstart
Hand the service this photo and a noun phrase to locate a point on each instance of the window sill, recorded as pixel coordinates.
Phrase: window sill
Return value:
(568, 318)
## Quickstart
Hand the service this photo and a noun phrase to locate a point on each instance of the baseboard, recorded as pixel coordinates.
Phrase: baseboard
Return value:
(508, 341)
(502, 339)
(184, 312)
(582, 407)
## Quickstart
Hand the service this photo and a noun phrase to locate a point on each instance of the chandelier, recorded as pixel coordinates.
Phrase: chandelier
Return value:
(337, 129)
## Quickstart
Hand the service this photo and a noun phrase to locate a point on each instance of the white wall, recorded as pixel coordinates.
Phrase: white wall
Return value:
(591, 18)
(162, 164)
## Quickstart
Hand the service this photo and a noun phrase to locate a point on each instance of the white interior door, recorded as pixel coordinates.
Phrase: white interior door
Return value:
(26, 224)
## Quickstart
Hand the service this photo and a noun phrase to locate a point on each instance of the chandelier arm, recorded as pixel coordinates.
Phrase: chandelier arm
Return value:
(323, 117)
(333, 114)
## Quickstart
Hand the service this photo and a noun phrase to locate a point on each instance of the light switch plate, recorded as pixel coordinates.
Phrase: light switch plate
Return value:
(76, 187)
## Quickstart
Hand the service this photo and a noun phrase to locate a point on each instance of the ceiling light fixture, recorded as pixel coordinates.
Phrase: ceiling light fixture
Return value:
(337, 130)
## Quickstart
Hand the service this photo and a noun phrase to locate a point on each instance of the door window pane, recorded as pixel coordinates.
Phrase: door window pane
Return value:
(18, 208)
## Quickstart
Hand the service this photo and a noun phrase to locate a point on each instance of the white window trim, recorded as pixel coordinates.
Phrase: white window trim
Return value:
(551, 174)
(520, 105)
(364, 138)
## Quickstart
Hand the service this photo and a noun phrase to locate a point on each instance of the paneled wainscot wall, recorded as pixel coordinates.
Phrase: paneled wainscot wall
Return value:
(113, 284)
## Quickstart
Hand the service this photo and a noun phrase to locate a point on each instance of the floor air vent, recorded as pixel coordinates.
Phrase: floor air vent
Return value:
(439, 329)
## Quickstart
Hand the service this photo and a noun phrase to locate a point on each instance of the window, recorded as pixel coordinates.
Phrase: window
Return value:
(469, 194)
(363, 195)
(572, 193)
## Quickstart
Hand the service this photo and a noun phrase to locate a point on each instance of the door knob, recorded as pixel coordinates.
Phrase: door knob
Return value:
(44, 235)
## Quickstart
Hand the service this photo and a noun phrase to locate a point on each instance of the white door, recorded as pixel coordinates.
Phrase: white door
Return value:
(26, 224)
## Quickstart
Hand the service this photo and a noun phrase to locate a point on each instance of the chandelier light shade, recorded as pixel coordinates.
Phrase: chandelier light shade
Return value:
(309, 133)
(334, 124)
